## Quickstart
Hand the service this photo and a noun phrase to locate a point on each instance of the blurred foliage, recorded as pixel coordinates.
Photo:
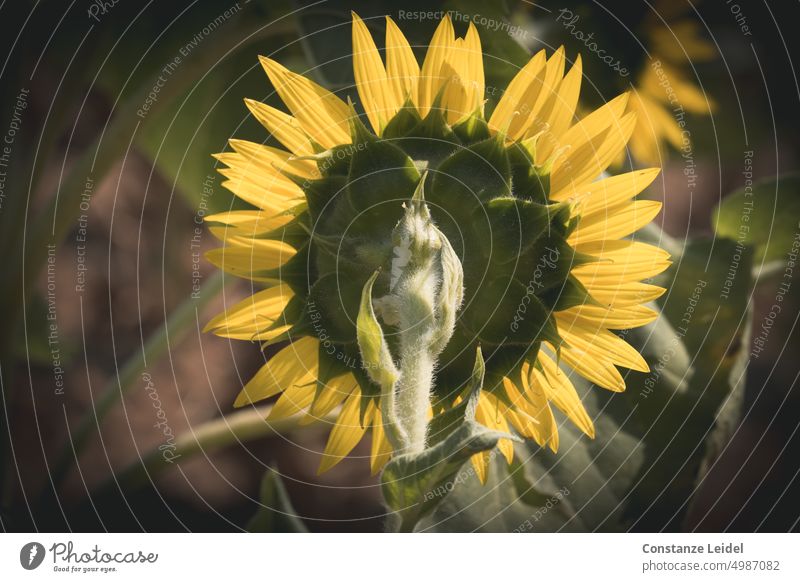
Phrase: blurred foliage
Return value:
(765, 216)
(276, 513)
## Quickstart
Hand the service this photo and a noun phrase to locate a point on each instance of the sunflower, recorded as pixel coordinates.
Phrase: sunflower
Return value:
(664, 93)
(520, 196)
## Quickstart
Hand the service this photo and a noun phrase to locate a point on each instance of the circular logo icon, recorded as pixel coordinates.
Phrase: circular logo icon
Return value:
(31, 555)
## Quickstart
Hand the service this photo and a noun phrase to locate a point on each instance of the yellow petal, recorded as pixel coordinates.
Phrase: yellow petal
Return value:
(559, 113)
(480, 463)
(465, 85)
(435, 71)
(322, 114)
(251, 261)
(548, 93)
(519, 97)
(381, 449)
(607, 192)
(245, 223)
(522, 423)
(270, 159)
(562, 393)
(285, 128)
(295, 365)
(653, 124)
(602, 344)
(402, 69)
(599, 371)
(488, 414)
(622, 261)
(345, 435)
(250, 318)
(332, 395)
(594, 124)
(615, 222)
(376, 95)
(623, 294)
(531, 400)
(592, 316)
(586, 162)
(270, 192)
(294, 400)
(682, 91)
(681, 40)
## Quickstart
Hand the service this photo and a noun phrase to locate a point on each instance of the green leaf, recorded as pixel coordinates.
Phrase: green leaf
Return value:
(375, 354)
(414, 484)
(684, 418)
(580, 488)
(764, 216)
(442, 425)
(275, 514)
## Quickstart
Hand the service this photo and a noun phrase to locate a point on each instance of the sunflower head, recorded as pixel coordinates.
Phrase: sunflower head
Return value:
(454, 229)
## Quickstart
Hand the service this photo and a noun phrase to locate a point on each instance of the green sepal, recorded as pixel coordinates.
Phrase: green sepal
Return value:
(336, 162)
(321, 196)
(472, 128)
(359, 133)
(570, 294)
(529, 182)
(337, 300)
(380, 175)
(549, 262)
(331, 365)
(475, 174)
(506, 312)
(435, 124)
(403, 123)
(431, 140)
(507, 361)
(297, 331)
(295, 232)
(293, 272)
(508, 227)
(292, 314)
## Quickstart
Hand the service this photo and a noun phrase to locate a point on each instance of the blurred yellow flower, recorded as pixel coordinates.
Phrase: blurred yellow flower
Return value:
(664, 93)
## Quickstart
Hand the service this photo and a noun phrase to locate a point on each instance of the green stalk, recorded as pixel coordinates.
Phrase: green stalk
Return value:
(155, 346)
(243, 425)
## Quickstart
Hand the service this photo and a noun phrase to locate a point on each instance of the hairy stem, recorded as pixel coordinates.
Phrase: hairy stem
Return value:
(414, 397)
(417, 363)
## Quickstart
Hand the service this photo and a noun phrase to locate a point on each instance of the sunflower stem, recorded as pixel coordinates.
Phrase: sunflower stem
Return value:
(395, 432)
(414, 389)
(238, 427)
